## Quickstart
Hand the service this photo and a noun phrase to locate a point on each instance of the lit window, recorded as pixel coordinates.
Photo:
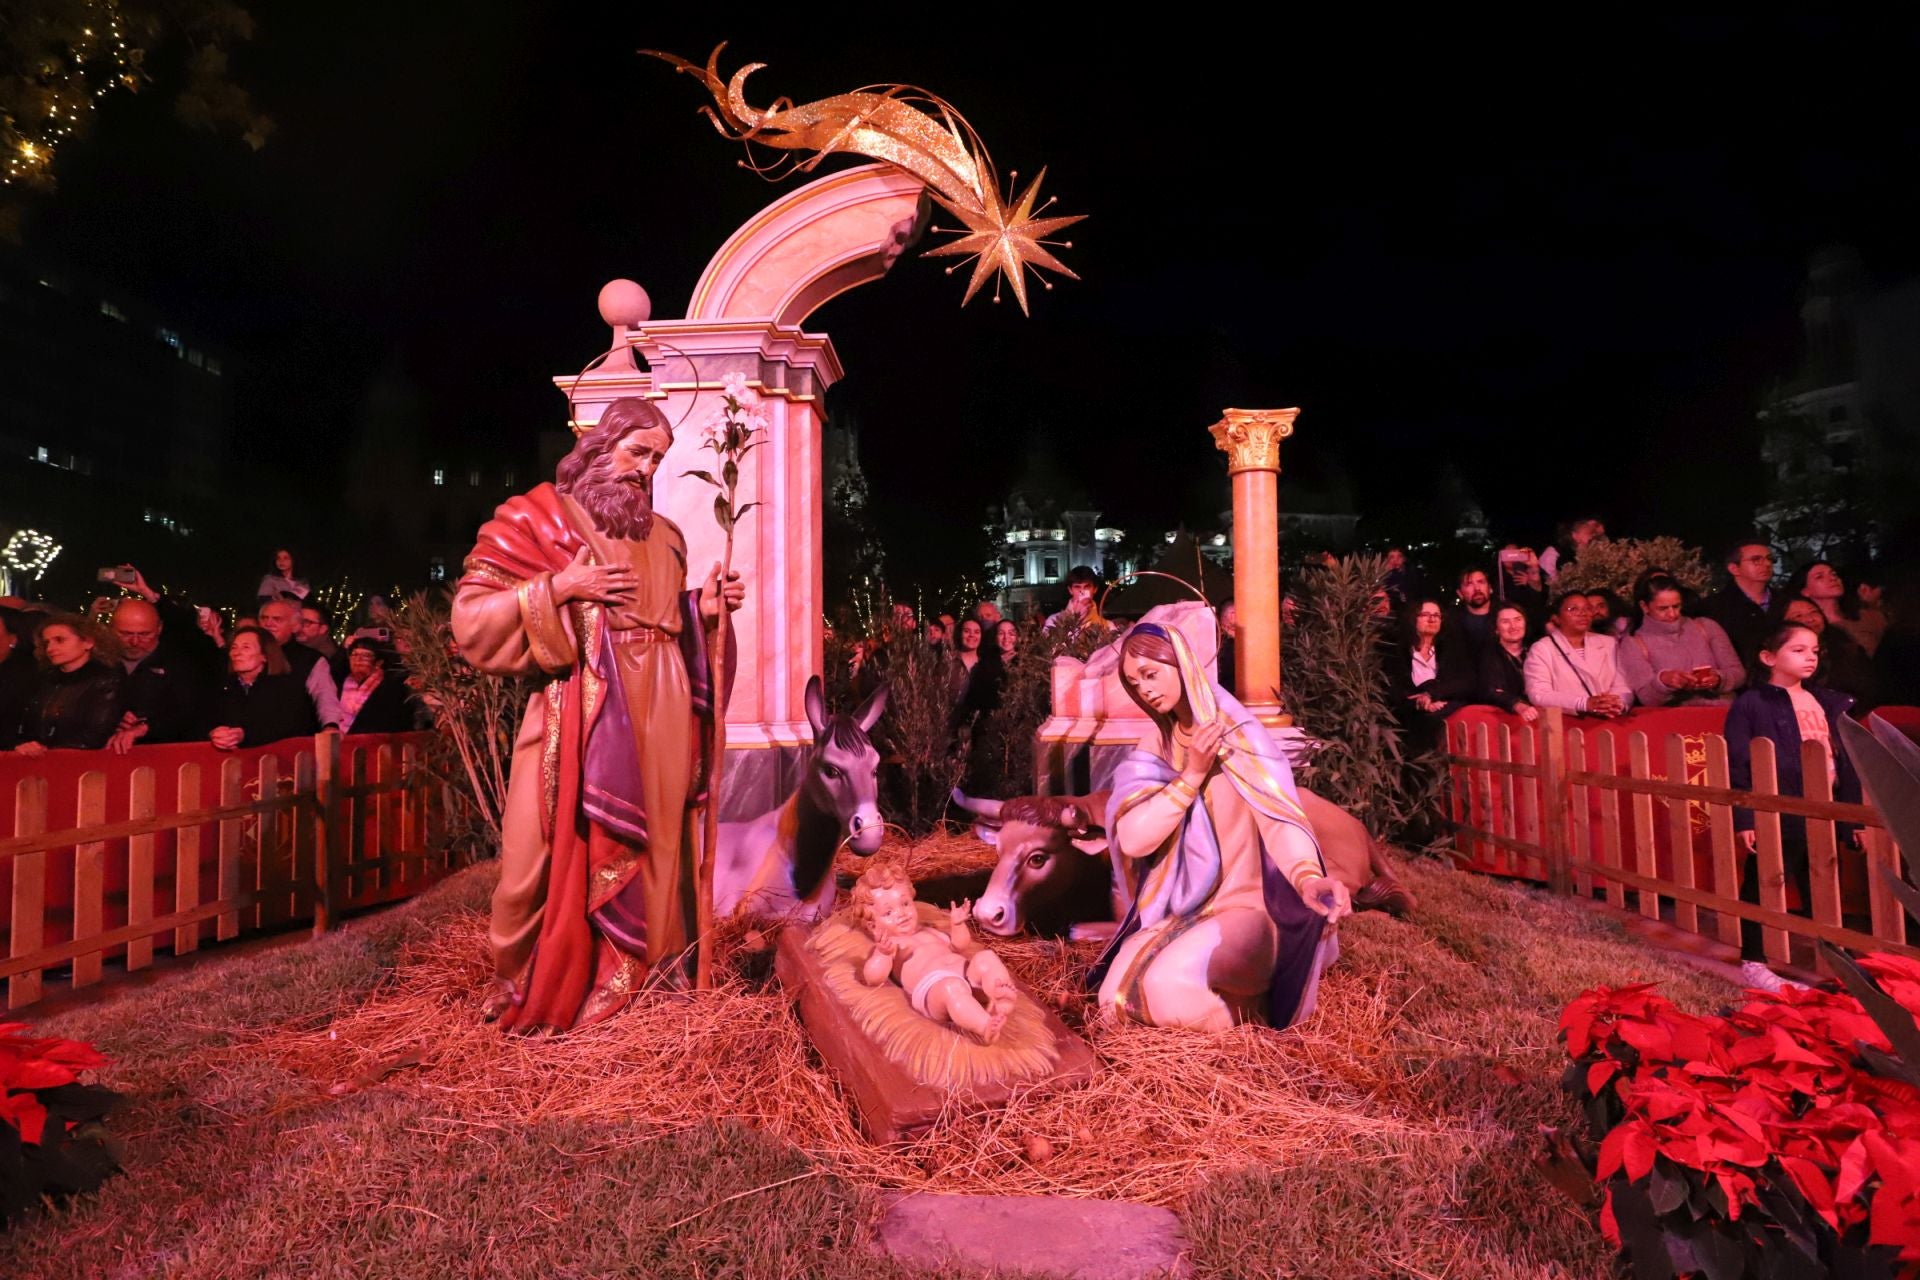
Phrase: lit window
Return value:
(509, 477)
(40, 454)
(439, 475)
(1052, 568)
(437, 569)
(168, 336)
(473, 478)
(195, 358)
(149, 515)
(213, 366)
(112, 312)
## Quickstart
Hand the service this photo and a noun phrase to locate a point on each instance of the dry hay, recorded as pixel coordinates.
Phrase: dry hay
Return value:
(1164, 1106)
(942, 852)
(933, 1052)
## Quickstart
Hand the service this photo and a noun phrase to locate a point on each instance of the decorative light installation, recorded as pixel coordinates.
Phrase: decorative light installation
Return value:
(29, 551)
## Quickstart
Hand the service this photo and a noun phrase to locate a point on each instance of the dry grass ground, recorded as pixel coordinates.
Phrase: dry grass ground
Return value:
(336, 1109)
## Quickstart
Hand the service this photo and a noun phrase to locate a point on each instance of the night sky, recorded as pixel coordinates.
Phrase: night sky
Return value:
(1567, 260)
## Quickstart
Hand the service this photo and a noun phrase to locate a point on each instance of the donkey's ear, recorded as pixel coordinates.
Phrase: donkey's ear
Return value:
(872, 709)
(816, 707)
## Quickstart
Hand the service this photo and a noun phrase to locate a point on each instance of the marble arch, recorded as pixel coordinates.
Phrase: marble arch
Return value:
(746, 315)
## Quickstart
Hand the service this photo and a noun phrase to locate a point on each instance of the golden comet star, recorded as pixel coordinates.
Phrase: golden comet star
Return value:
(1008, 241)
(936, 145)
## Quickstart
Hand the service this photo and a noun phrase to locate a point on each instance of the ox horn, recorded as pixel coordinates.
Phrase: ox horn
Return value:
(988, 809)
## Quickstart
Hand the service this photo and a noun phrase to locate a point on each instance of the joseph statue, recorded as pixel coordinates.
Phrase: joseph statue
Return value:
(583, 583)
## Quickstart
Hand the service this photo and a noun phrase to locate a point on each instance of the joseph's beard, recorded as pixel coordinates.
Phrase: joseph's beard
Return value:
(620, 506)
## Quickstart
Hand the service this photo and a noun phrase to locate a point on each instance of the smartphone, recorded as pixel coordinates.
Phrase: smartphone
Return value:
(1513, 557)
(1701, 673)
(122, 574)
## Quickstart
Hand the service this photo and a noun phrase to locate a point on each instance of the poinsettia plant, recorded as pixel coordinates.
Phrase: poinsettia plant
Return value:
(51, 1138)
(1760, 1142)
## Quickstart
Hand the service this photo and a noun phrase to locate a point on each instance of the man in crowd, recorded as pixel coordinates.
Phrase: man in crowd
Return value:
(281, 620)
(315, 630)
(1399, 579)
(989, 615)
(1081, 613)
(164, 699)
(1473, 617)
(1743, 607)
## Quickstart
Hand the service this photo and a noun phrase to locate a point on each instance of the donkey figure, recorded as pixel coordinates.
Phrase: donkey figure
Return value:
(779, 866)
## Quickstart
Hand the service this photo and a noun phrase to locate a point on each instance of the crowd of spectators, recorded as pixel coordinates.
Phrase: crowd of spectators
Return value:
(1588, 653)
(143, 667)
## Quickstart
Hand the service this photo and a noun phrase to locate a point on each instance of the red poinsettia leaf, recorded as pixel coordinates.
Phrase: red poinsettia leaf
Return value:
(1856, 1166)
(35, 1073)
(1690, 1039)
(23, 1112)
(1814, 1185)
(1655, 1043)
(1599, 1073)
(1609, 1225)
(1897, 1164)
(1612, 1148)
(1896, 1222)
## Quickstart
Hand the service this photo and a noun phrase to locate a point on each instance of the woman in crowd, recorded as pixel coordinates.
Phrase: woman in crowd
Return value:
(1574, 669)
(282, 582)
(967, 649)
(1843, 664)
(1863, 614)
(262, 700)
(1430, 674)
(372, 698)
(1785, 704)
(1503, 680)
(74, 701)
(1672, 660)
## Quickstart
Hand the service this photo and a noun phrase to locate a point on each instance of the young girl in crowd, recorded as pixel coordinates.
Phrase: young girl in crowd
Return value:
(1782, 705)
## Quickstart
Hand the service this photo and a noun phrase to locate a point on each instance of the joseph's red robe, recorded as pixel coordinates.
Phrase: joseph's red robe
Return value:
(570, 937)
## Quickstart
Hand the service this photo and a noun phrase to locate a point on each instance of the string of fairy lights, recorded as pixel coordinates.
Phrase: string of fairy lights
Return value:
(97, 62)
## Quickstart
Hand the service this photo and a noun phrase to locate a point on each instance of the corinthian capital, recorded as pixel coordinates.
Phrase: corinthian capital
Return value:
(1251, 437)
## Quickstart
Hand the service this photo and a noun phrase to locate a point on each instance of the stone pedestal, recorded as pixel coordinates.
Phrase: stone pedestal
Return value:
(1251, 440)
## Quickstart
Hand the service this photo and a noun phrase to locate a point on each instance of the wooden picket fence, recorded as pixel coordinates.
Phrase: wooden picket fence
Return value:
(1553, 803)
(291, 833)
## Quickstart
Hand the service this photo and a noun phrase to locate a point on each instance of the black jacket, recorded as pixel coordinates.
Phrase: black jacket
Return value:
(272, 708)
(1457, 680)
(1503, 681)
(388, 709)
(169, 697)
(1744, 621)
(78, 709)
(17, 675)
(1766, 711)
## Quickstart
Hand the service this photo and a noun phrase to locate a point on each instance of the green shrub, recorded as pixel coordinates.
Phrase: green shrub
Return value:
(1336, 690)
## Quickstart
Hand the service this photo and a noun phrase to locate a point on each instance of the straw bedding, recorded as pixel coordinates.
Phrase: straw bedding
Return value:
(1163, 1108)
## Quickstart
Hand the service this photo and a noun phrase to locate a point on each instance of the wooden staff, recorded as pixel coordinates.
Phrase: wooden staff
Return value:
(717, 666)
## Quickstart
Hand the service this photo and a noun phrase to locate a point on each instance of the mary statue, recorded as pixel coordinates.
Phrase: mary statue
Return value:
(1234, 915)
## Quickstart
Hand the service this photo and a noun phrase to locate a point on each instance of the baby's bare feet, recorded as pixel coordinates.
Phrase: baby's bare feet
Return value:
(996, 1021)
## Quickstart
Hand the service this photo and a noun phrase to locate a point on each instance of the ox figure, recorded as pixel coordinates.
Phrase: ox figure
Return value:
(1054, 875)
(779, 866)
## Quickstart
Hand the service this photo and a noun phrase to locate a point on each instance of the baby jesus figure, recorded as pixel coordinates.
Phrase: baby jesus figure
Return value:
(941, 970)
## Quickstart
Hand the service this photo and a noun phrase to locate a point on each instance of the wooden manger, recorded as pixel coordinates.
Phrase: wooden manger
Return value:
(902, 1071)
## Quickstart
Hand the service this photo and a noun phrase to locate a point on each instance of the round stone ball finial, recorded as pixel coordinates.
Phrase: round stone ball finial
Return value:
(624, 303)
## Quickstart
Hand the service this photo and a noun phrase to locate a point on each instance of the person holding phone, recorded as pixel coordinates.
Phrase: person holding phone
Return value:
(1672, 660)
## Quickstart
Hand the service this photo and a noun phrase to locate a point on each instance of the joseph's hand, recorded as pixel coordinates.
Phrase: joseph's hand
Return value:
(599, 583)
(710, 593)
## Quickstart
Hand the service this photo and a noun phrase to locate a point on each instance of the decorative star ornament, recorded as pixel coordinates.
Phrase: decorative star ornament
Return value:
(888, 122)
(1009, 241)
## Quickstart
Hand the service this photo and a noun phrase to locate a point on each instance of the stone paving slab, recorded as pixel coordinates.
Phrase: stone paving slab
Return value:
(1036, 1236)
